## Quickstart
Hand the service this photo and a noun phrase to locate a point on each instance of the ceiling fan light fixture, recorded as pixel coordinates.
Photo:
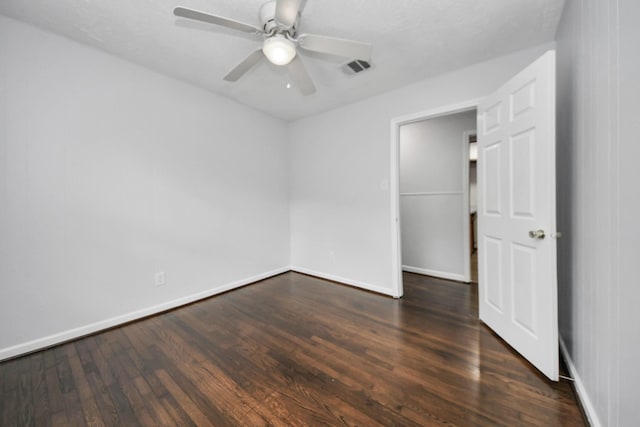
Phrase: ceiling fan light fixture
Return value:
(279, 20)
(279, 50)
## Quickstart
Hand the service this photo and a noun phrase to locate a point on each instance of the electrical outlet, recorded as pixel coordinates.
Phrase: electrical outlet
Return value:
(160, 278)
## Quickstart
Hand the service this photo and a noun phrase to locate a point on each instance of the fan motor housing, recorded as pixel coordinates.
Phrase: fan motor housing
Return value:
(269, 23)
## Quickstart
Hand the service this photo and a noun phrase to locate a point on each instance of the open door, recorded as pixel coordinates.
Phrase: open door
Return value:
(517, 214)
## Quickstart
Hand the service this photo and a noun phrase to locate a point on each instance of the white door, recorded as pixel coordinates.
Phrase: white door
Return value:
(517, 214)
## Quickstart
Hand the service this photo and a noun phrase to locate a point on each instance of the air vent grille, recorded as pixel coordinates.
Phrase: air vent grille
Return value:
(356, 66)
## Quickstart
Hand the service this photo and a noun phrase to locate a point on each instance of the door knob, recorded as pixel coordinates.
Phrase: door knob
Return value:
(536, 234)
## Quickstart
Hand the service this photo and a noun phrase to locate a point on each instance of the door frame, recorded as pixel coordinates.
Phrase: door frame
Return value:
(394, 185)
(466, 228)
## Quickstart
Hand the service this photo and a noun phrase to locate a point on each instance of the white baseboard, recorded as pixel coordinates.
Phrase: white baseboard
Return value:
(339, 279)
(581, 391)
(51, 340)
(434, 273)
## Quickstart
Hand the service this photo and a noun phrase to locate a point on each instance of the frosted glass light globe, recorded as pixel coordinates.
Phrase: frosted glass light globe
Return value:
(279, 50)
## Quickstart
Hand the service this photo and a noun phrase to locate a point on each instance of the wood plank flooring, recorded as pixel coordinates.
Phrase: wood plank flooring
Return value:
(291, 350)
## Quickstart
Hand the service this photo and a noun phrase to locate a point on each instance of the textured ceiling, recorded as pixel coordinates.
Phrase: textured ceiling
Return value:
(412, 40)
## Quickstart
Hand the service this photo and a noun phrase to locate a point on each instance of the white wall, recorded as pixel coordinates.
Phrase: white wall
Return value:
(598, 203)
(432, 205)
(340, 162)
(110, 172)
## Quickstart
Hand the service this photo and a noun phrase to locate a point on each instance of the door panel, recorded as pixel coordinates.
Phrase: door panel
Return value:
(523, 99)
(491, 156)
(516, 178)
(492, 118)
(522, 170)
(493, 272)
(523, 279)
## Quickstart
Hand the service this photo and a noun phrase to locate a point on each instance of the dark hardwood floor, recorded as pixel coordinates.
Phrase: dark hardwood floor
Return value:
(291, 350)
(474, 267)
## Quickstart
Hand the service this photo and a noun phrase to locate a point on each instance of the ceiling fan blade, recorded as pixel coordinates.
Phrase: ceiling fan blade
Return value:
(248, 63)
(214, 19)
(341, 47)
(300, 77)
(287, 11)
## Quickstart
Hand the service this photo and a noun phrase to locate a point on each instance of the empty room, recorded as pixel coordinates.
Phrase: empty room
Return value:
(319, 212)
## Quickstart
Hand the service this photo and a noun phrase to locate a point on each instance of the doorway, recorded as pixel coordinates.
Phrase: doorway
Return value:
(471, 137)
(430, 204)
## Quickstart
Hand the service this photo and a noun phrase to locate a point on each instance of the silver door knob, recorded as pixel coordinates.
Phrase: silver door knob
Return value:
(536, 234)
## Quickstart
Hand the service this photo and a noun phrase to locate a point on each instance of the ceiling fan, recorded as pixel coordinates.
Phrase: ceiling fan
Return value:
(280, 21)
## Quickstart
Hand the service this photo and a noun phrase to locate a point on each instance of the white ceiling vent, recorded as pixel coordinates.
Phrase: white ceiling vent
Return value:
(356, 66)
